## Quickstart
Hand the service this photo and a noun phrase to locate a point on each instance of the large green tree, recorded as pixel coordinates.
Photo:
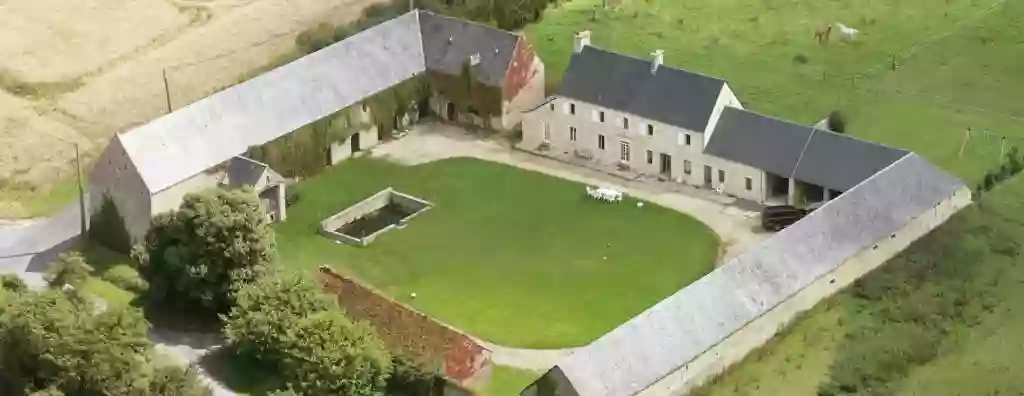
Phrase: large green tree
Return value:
(51, 345)
(285, 322)
(193, 256)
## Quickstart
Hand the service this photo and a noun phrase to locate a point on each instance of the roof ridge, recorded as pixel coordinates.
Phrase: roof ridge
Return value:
(802, 151)
(420, 11)
(607, 51)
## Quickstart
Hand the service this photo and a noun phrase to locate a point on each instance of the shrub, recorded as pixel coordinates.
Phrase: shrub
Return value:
(107, 228)
(837, 122)
(70, 269)
(291, 196)
(12, 283)
(800, 59)
(125, 277)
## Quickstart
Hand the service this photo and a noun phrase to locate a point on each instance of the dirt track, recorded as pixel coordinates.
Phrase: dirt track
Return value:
(81, 71)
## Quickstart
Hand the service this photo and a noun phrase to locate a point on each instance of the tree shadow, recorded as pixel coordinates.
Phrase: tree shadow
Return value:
(240, 372)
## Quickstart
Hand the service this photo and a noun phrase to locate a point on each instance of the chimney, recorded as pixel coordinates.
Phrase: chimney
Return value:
(657, 58)
(582, 39)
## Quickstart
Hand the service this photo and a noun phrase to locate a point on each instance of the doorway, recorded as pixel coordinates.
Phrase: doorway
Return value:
(666, 164)
(707, 175)
(451, 111)
(354, 141)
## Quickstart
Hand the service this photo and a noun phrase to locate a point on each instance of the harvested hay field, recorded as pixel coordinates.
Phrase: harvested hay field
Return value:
(81, 71)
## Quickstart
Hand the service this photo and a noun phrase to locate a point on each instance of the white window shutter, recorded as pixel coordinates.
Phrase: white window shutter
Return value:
(641, 129)
(593, 115)
(680, 138)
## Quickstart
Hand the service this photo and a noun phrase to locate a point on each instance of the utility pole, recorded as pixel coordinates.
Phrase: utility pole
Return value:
(81, 197)
(167, 90)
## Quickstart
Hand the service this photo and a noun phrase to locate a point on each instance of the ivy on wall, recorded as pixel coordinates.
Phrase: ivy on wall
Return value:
(306, 151)
(467, 93)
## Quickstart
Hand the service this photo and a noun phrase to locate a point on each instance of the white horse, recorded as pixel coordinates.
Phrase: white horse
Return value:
(848, 33)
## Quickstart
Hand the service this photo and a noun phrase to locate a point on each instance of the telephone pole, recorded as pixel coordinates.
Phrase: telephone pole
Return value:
(81, 197)
(167, 91)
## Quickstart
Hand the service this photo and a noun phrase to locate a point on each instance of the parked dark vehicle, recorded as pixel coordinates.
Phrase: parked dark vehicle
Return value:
(776, 218)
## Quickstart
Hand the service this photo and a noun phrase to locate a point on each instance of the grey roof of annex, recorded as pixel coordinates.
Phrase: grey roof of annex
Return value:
(787, 149)
(673, 96)
(680, 328)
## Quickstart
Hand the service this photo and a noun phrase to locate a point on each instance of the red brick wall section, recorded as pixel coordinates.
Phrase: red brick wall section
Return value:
(521, 70)
(411, 333)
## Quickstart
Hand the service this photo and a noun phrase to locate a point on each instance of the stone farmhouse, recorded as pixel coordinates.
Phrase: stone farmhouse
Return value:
(648, 118)
(640, 116)
(148, 170)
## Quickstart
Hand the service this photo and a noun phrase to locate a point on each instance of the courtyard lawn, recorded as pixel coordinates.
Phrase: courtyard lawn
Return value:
(511, 256)
(958, 62)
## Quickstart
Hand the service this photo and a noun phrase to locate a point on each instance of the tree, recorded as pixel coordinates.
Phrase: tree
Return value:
(70, 269)
(176, 381)
(193, 256)
(48, 343)
(12, 283)
(837, 122)
(285, 322)
(107, 228)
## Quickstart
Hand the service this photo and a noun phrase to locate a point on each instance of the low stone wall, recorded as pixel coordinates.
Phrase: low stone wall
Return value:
(411, 333)
(329, 226)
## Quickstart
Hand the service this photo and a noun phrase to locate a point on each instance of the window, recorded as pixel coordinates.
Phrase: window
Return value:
(547, 131)
(600, 116)
(600, 142)
(625, 123)
(686, 167)
(552, 107)
(750, 184)
(365, 108)
(572, 108)
(624, 154)
(650, 130)
(572, 134)
(687, 139)
(650, 157)
(721, 176)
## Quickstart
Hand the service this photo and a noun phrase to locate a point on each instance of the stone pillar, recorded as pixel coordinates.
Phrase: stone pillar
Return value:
(792, 192)
(281, 205)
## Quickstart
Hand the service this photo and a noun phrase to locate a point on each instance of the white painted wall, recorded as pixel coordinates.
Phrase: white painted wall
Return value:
(342, 150)
(667, 139)
(734, 348)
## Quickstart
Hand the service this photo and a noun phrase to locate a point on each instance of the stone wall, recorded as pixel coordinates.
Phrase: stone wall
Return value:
(411, 333)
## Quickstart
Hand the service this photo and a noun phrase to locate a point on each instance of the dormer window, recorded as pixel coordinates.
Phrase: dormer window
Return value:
(650, 130)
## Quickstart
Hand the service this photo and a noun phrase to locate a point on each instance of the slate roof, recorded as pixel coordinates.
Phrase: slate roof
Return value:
(246, 172)
(203, 134)
(760, 141)
(681, 327)
(787, 149)
(672, 96)
(448, 43)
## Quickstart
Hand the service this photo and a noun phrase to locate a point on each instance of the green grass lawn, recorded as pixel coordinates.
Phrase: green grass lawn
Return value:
(512, 256)
(968, 78)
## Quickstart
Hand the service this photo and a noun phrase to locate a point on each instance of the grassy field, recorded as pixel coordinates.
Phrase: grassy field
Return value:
(976, 354)
(957, 62)
(515, 257)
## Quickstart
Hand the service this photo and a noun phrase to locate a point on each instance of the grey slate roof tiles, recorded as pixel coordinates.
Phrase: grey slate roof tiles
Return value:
(760, 141)
(786, 149)
(683, 326)
(448, 43)
(672, 96)
(244, 172)
(212, 130)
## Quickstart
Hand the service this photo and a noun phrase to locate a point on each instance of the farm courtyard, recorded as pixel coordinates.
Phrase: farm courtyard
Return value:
(514, 257)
